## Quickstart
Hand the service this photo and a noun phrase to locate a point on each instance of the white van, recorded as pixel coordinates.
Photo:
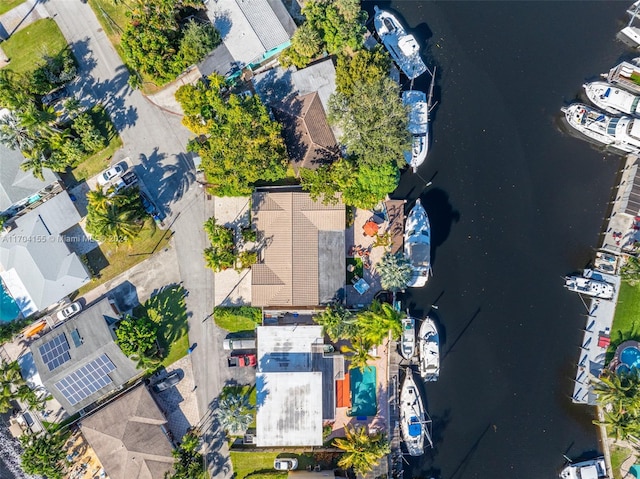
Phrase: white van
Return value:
(231, 344)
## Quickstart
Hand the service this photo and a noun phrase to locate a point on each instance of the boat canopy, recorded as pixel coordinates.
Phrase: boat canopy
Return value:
(415, 428)
(408, 45)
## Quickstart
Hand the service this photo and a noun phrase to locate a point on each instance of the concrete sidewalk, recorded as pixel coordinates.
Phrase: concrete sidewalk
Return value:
(21, 16)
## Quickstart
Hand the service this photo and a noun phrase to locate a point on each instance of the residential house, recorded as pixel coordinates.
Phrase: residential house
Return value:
(252, 31)
(36, 265)
(19, 188)
(130, 437)
(79, 362)
(295, 385)
(302, 260)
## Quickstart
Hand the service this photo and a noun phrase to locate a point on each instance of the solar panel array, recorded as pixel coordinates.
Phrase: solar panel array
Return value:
(55, 352)
(86, 380)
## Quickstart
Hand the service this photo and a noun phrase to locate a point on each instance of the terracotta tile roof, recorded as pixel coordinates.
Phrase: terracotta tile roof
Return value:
(293, 228)
(310, 142)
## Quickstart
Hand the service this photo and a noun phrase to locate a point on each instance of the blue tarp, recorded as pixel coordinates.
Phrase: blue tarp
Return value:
(415, 429)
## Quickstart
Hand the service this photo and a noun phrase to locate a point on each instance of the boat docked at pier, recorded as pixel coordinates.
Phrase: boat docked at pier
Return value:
(414, 423)
(417, 245)
(402, 46)
(631, 34)
(590, 286)
(612, 98)
(418, 127)
(622, 133)
(408, 338)
(626, 75)
(429, 350)
(591, 469)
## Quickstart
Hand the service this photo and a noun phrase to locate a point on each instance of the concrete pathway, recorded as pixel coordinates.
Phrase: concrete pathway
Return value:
(21, 16)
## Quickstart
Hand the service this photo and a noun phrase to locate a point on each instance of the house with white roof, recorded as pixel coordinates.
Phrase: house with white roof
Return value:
(36, 265)
(295, 385)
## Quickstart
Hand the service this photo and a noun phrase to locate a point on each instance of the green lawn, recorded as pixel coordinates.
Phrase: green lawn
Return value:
(626, 322)
(173, 334)
(618, 456)
(100, 161)
(26, 47)
(112, 17)
(252, 461)
(235, 319)
(110, 260)
(6, 5)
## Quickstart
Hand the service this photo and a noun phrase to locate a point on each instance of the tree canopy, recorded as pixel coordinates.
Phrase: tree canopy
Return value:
(364, 66)
(43, 455)
(395, 271)
(157, 43)
(619, 395)
(238, 142)
(137, 339)
(190, 463)
(114, 217)
(362, 451)
(235, 413)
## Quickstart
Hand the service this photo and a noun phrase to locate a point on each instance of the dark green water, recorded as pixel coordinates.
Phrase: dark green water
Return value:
(515, 204)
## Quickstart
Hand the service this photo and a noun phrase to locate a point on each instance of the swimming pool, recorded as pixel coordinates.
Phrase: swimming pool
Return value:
(635, 470)
(363, 392)
(8, 308)
(630, 356)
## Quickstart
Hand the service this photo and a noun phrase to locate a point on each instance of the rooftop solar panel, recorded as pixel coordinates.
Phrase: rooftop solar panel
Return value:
(55, 352)
(86, 380)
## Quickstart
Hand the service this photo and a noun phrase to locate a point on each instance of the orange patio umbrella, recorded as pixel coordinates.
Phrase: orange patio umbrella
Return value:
(370, 228)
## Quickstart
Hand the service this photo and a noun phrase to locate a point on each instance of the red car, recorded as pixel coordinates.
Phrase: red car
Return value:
(242, 360)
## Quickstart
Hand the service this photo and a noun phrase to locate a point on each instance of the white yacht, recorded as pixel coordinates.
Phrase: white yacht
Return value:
(626, 74)
(631, 34)
(418, 127)
(429, 350)
(591, 469)
(612, 98)
(402, 46)
(414, 423)
(417, 245)
(408, 339)
(590, 286)
(622, 133)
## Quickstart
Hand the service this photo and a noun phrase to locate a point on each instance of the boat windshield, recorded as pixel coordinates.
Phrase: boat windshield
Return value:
(611, 127)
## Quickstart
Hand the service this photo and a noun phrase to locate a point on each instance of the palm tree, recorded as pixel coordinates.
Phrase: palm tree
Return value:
(235, 413)
(337, 321)
(306, 41)
(395, 271)
(15, 135)
(43, 455)
(358, 353)
(380, 319)
(115, 225)
(619, 392)
(10, 383)
(362, 451)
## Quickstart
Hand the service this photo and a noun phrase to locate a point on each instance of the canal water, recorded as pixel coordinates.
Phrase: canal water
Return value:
(515, 204)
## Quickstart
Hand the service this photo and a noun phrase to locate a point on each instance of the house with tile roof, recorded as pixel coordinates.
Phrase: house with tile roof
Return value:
(130, 437)
(36, 265)
(302, 261)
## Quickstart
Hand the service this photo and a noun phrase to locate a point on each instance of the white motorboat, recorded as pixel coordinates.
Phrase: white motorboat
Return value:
(612, 98)
(626, 75)
(418, 127)
(622, 133)
(414, 423)
(402, 46)
(631, 34)
(408, 339)
(590, 286)
(591, 469)
(429, 350)
(417, 245)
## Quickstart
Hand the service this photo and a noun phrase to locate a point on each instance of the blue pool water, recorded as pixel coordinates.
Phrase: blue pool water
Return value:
(363, 392)
(8, 308)
(635, 470)
(631, 357)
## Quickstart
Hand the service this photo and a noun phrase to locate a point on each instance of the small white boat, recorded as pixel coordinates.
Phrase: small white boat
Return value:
(631, 34)
(408, 339)
(591, 469)
(417, 245)
(429, 350)
(587, 285)
(402, 46)
(612, 98)
(418, 127)
(414, 423)
(622, 133)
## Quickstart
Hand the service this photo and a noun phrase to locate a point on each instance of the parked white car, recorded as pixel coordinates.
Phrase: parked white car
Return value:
(110, 175)
(285, 463)
(71, 310)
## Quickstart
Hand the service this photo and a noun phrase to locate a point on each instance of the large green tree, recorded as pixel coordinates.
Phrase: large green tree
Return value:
(221, 254)
(373, 121)
(190, 463)
(14, 388)
(114, 217)
(337, 321)
(137, 339)
(364, 66)
(380, 319)
(238, 142)
(619, 395)
(358, 352)
(234, 413)
(362, 451)
(395, 271)
(43, 455)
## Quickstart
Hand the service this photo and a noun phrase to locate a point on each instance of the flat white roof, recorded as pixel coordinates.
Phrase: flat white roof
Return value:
(289, 409)
(286, 348)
